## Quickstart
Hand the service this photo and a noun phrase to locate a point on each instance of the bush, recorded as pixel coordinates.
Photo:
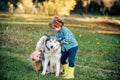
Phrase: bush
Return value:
(58, 7)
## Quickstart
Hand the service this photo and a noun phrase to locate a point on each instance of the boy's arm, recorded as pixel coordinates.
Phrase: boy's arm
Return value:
(67, 37)
(63, 42)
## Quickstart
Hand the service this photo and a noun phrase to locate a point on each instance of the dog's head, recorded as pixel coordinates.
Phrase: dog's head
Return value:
(52, 43)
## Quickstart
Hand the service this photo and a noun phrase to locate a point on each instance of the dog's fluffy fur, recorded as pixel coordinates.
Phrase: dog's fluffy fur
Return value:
(52, 54)
(50, 46)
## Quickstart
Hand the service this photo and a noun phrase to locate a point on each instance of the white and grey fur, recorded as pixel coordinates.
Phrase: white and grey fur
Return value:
(52, 54)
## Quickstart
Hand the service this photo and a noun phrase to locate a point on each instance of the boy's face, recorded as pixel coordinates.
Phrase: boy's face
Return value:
(55, 28)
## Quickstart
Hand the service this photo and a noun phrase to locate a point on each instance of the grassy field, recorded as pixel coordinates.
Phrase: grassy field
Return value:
(98, 57)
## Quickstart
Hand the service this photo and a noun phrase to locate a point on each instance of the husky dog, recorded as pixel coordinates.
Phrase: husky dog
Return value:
(52, 55)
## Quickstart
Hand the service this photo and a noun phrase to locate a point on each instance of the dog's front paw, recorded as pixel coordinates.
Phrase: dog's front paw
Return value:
(43, 73)
(56, 75)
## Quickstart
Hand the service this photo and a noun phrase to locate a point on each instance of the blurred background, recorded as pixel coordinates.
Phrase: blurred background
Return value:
(61, 7)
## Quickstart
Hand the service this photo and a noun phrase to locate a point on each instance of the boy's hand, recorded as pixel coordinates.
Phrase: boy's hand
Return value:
(62, 42)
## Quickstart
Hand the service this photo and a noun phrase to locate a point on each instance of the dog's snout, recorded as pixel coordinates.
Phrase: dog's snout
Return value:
(51, 46)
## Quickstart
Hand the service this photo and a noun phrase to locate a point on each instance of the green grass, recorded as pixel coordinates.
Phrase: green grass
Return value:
(98, 57)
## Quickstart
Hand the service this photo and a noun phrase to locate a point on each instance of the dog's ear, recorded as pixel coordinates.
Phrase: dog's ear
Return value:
(48, 38)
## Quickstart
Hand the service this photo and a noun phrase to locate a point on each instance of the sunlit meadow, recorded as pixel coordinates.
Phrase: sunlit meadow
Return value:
(98, 57)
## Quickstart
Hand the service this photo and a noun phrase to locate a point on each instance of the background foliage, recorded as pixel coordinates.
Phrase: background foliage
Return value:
(61, 7)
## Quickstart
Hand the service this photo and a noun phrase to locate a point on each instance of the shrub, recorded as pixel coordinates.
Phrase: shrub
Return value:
(58, 7)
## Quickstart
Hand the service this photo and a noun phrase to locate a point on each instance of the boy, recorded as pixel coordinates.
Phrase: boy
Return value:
(68, 43)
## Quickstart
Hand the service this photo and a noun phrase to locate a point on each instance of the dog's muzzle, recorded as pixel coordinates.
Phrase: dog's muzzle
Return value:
(51, 47)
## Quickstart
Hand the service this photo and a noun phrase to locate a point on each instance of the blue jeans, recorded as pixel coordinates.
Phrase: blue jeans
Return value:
(70, 54)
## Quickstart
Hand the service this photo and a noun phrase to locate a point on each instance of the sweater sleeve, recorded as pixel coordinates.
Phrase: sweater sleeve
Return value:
(40, 43)
(67, 36)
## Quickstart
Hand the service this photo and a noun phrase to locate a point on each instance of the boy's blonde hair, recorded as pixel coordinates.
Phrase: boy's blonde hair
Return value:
(56, 20)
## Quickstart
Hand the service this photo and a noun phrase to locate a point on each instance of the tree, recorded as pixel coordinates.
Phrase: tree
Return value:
(26, 6)
(58, 7)
(105, 5)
